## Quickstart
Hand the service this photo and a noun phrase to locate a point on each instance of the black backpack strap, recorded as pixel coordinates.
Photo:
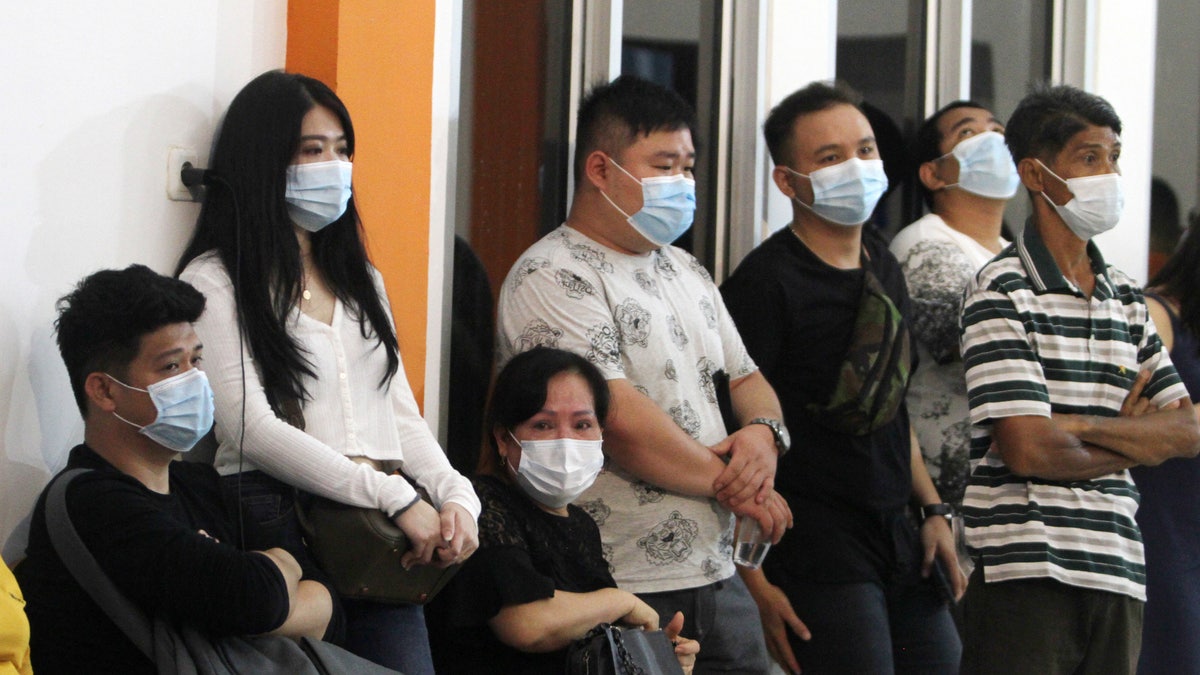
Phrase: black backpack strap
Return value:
(83, 566)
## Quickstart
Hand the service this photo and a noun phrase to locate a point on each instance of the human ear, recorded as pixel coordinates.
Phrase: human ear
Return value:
(98, 388)
(780, 175)
(927, 172)
(595, 167)
(1030, 171)
(500, 435)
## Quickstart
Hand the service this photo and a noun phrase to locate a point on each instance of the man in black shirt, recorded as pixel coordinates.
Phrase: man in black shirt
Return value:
(155, 525)
(817, 303)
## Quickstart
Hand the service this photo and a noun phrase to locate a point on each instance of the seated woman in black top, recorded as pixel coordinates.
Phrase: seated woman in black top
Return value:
(539, 579)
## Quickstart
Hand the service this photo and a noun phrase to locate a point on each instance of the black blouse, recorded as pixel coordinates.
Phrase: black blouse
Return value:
(525, 554)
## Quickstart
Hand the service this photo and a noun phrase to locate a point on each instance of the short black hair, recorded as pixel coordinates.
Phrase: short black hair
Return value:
(521, 388)
(101, 323)
(613, 115)
(927, 145)
(814, 97)
(1048, 117)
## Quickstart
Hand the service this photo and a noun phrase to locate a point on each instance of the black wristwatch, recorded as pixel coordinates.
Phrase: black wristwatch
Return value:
(783, 440)
(930, 510)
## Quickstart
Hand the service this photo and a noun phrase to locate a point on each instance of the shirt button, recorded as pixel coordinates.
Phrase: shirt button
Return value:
(341, 376)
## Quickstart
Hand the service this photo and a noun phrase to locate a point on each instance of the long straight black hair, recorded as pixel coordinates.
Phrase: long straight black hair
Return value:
(244, 218)
(1180, 277)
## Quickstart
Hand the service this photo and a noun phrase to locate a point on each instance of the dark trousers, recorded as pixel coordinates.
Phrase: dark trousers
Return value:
(724, 618)
(1044, 627)
(904, 627)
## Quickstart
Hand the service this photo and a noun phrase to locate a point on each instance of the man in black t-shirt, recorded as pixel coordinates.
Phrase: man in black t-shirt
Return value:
(155, 525)
(848, 579)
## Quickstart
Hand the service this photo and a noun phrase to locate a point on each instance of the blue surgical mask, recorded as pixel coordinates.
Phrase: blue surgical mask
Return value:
(317, 193)
(846, 193)
(668, 206)
(185, 410)
(985, 166)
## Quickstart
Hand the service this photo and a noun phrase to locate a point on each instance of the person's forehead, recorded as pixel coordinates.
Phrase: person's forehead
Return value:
(1093, 136)
(839, 124)
(166, 340)
(664, 141)
(959, 117)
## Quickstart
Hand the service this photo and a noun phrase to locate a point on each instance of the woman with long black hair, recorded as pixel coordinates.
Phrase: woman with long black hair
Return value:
(301, 352)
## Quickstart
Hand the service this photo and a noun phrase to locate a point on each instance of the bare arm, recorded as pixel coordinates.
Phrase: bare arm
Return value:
(936, 536)
(1032, 445)
(753, 456)
(777, 615)
(553, 623)
(645, 441)
(309, 613)
(309, 605)
(1148, 439)
(1162, 322)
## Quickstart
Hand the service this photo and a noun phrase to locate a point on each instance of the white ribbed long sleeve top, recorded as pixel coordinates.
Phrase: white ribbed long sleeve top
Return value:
(348, 415)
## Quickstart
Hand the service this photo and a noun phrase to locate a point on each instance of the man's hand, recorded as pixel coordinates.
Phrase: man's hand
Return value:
(938, 540)
(774, 515)
(750, 473)
(777, 615)
(1136, 405)
(460, 533)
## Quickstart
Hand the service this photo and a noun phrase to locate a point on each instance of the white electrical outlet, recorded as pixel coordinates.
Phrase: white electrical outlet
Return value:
(176, 157)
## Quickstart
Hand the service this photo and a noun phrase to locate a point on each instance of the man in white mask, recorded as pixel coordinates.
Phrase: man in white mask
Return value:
(966, 175)
(822, 307)
(1070, 386)
(608, 285)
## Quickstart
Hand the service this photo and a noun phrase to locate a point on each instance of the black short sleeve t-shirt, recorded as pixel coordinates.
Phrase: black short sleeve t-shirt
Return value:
(796, 316)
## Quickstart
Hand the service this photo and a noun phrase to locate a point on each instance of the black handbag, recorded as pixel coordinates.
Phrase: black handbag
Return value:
(610, 650)
(360, 550)
(183, 649)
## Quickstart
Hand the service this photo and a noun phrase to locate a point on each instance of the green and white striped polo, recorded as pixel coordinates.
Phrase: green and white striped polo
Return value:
(1032, 344)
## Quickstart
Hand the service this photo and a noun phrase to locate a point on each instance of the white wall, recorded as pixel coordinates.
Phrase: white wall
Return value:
(792, 64)
(1122, 55)
(1177, 95)
(94, 93)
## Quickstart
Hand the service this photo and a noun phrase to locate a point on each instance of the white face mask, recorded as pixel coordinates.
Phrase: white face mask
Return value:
(185, 410)
(317, 192)
(846, 193)
(555, 472)
(985, 166)
(1095, 206)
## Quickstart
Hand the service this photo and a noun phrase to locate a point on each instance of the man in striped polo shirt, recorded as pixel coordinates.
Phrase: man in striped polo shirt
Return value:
(1069, 386)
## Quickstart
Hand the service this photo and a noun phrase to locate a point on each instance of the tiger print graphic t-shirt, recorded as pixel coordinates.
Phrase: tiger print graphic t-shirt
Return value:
(656, 320)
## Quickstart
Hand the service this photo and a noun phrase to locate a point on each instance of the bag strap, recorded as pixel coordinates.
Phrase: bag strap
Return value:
(82, 565)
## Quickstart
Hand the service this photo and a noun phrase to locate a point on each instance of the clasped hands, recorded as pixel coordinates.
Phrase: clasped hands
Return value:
(443, 539)
(747, 484)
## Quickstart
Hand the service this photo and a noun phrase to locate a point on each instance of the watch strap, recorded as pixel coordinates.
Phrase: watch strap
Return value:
(930, 510)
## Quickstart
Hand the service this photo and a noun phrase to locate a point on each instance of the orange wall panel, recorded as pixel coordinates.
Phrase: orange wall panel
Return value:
(382, 68)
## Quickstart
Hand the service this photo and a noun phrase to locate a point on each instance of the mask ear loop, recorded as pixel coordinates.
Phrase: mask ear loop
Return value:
(505, 457)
